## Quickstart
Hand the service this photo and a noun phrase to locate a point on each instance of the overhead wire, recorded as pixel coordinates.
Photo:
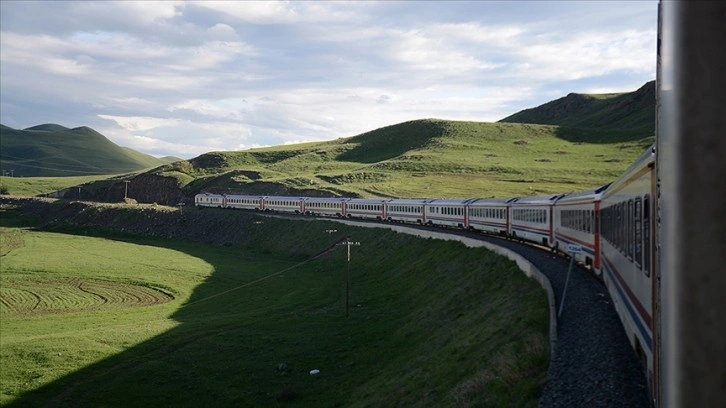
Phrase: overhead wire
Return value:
(326, 251)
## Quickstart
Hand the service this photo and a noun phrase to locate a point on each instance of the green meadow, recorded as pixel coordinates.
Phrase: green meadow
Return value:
(424, 158)
(93, 317)
(40, 186)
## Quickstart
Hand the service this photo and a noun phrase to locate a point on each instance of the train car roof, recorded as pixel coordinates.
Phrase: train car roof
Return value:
(488, 201)
(327, 199)
(449, 201)
(369, 200)
(594, 194)
(410, 201)
(243, 196)
(646, 159)
(283, 198)
(535, 200)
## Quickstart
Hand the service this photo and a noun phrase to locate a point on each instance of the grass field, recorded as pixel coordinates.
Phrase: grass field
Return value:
(93, 318)
(36, 186)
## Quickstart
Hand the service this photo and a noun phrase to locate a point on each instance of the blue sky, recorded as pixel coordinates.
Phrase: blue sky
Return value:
(186, 78)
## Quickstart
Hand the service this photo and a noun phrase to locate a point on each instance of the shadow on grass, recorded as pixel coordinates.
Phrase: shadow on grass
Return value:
(233, 331)
(392, 141)
(605, 136)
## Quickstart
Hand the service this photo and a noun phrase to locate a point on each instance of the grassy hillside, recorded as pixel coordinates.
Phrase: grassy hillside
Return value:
(53, 150)
(192, 324)
(424, 158)
(632, 112)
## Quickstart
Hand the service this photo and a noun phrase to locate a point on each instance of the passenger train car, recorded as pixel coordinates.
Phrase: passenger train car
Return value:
(489, 215)
(576, 223)
(627, 252)
(531, 219)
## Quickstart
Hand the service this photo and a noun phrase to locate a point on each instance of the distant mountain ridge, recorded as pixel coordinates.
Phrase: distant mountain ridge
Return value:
(53, 150)
(631, 111)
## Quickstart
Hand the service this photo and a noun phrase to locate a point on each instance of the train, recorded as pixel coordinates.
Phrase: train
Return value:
(651, 237)
(608, 229)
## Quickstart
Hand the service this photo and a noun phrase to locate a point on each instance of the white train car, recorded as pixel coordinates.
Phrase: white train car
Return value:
(531, 219)
(243, 202)
(489, 215)
(627, 252)
(369, 208)
(577, 223)
(448, 212)
(407, 210)
(334, 206)
(293, 205)
(209, 200)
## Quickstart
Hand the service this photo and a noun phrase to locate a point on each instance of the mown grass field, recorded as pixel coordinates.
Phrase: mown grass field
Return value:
(148, 322)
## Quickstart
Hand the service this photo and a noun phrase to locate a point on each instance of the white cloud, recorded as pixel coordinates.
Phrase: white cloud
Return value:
(223, 32)
(143, 12)
(186, 77)
(141, 123)
(285, 12)
(590, 54)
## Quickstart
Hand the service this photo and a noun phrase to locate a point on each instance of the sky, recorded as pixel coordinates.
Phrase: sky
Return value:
(186, 78)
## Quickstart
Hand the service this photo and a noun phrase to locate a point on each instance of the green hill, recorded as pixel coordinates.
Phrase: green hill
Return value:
(54, 150)
(632, 112)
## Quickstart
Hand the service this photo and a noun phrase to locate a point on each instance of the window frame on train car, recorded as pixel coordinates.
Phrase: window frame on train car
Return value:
(646, 235)
(631, 230)
(638, 233)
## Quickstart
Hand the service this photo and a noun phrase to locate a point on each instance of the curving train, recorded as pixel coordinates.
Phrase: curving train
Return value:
(609, 228)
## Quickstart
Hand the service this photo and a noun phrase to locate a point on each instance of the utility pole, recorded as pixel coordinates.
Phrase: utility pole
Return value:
(348, 243)
(126, 191)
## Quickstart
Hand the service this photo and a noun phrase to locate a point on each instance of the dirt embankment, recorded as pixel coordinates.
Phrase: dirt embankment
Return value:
(145, 188)
(189, 224)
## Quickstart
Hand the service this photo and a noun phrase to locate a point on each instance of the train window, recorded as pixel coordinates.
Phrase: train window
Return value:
(646, 235)
(592, 221)
(616, 226)
(630, 230)
(585, 221)
(624, 228)
(621, 226)
(637, 233)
